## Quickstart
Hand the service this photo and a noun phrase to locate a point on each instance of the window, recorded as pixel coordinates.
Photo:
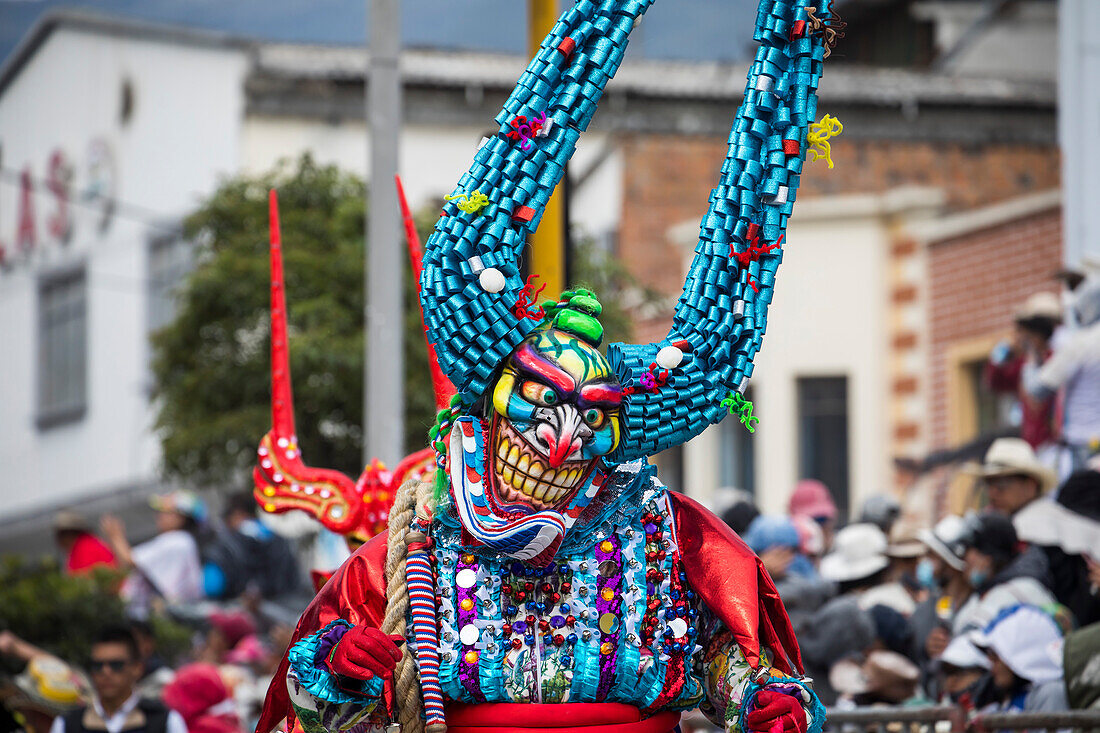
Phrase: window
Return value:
(823, 434)
(170, 261)
(995, 413)
(736, 468)
(62, 347)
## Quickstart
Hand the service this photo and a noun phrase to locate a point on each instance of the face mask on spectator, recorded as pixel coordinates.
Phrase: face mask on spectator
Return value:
(977, 577)
(926, 574)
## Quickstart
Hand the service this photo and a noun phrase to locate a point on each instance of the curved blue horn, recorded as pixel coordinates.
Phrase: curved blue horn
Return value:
(471, 281)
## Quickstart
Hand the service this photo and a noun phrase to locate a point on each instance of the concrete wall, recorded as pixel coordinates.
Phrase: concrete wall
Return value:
(1078, 121)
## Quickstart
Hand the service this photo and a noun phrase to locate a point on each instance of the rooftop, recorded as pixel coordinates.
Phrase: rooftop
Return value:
(702, 81)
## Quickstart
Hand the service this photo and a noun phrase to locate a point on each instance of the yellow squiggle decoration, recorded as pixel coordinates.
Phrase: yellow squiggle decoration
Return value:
(819, 135)
(471, 203)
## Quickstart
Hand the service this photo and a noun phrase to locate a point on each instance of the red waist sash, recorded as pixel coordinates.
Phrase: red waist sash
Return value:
(578, 717)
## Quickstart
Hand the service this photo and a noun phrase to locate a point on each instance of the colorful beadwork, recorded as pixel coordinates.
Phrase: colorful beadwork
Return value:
(602, 622)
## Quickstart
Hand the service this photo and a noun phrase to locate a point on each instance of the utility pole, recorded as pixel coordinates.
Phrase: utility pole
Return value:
(383, 392)
(548, 243)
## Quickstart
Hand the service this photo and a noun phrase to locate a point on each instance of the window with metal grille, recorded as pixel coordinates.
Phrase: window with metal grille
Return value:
(170, 261)
(62, 347)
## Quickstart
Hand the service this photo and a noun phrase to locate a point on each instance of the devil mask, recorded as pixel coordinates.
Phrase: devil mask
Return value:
(522, 475)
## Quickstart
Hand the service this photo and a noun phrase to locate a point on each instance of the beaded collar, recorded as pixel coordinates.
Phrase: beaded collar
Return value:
(628, 488)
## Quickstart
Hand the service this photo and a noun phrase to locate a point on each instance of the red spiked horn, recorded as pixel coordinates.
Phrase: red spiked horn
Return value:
(282, 400)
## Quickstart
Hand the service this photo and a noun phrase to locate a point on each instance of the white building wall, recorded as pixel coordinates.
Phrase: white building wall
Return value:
(67, 95)
(829, 318)
(432, 159)
(1078, 122)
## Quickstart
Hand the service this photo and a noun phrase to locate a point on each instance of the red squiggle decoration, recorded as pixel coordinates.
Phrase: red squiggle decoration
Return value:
(753, 252)
(527, 298)
(649, 381)
(525, 130)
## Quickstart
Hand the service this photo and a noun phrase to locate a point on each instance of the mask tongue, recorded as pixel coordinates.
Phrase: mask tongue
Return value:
(535, 536)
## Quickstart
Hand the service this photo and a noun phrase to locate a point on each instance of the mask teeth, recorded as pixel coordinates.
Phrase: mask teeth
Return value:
(524, 476)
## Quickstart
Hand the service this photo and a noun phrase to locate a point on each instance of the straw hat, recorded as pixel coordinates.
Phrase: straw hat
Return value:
(1040, 305)
(50, 684)
(859, 551)
(905, 541)
(1013, 456)
(67, 520)
(884, 674)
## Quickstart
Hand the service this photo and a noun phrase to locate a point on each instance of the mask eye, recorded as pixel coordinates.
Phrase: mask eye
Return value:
(539, 394)
(595, 417)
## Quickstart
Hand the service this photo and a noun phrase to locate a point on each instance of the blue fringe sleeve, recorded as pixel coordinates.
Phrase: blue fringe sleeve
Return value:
(810, 702)
(304, 659)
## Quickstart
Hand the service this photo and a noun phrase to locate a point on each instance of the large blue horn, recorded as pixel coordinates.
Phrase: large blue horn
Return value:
(471, 281)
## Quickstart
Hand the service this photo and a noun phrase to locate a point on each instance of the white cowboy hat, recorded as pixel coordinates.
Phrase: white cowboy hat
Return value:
(945, 540)
(1040, 305)
(859, 551)
(1011, 456)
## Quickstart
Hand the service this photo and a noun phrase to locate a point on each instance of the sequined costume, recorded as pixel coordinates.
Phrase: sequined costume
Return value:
(551, 581)
(614, 618)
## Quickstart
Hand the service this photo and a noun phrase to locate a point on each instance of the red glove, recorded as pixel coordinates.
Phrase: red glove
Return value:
(364, 652)
(775, 712)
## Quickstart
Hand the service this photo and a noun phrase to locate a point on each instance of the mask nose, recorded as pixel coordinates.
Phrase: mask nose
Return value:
(559, 437)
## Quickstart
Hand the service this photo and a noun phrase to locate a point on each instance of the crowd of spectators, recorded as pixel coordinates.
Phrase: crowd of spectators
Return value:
(988, 610)
(232, 582)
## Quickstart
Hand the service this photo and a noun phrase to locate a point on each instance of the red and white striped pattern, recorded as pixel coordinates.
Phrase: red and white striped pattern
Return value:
(418, 576)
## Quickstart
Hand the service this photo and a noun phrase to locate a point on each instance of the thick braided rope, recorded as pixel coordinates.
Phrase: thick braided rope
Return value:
(406, 678)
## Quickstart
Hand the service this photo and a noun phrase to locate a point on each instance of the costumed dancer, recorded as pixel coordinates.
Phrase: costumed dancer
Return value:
(546, 580)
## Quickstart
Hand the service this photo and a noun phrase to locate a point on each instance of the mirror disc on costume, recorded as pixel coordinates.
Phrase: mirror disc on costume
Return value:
(609, 623)
(469, 634)
(677, 627)
(466, 578)
(609, 568)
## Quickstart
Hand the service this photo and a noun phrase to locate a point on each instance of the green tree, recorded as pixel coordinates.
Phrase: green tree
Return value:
(211, 365)
(62, 613)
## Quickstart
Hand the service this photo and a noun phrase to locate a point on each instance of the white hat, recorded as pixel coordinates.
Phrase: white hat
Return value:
(1027, 640)
(859, 551)
(1011, 456)
(1040, 305)
(962, 653)
(944, 539)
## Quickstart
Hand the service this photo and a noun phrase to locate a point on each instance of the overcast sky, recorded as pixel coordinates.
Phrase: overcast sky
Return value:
(686, 29)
